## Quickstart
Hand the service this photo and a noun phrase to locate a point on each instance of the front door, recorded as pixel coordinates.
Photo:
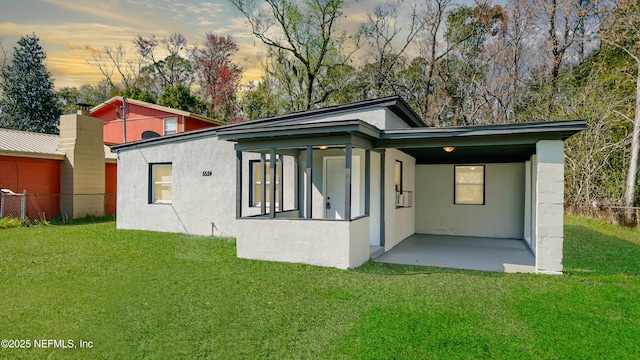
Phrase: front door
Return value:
(334, 187)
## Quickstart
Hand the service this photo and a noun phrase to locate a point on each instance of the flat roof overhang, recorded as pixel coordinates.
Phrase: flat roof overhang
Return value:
(473, 144)
(477, 144)
(335, 133)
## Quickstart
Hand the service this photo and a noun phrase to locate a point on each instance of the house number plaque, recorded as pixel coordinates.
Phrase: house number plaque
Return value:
(207, 173)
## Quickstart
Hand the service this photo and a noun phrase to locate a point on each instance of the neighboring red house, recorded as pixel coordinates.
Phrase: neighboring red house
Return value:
(30, 161)
(144, 120)
(37, 163)
(44, 165)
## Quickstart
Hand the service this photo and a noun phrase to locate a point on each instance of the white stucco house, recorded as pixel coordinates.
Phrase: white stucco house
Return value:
(332, 186)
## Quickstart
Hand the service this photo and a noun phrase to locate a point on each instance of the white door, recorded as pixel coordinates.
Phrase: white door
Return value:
(334, 187)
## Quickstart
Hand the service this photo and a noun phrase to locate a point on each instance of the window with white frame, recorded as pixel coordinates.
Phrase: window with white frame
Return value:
(160, 183)
(469, 185)
(170, 126)
(257, 182)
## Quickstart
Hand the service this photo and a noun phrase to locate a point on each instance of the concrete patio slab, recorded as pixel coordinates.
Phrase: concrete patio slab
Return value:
(462, 252)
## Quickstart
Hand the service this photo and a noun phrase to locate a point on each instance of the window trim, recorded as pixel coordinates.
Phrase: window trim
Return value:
(484, 185)
(151, 183)
(252, 203)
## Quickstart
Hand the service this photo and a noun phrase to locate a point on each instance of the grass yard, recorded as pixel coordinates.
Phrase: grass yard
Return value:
(137, 294)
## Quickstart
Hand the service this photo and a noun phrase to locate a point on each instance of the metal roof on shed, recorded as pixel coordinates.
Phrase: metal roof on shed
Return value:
(21, 143)
(28, 142)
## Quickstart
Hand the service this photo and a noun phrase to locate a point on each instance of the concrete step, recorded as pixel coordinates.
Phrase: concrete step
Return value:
(375, 251)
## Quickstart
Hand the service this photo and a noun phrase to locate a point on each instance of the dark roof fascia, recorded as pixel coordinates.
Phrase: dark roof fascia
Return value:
(565, 128)
(395, 103)
(297, 130)
(406, 113)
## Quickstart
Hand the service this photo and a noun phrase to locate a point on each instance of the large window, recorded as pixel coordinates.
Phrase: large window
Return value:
(257, 182)
(469, 185)
(160, 183)
(170, 126)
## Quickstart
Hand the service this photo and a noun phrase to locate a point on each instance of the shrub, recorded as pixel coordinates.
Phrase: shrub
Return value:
(9, 222)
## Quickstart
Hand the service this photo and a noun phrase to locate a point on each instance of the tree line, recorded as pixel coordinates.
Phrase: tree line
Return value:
(455, 64)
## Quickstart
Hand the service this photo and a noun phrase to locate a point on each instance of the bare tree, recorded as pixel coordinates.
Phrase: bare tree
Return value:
(591, 173)
(388, 40)
(218, 76)
(172, 70)
(563, 20)
(622, 30)
(307, 31)
(434, 19)
(511, 60)
(117, 66)
(4, 56)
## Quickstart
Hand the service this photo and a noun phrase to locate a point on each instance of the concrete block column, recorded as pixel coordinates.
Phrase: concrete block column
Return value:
(549, 191)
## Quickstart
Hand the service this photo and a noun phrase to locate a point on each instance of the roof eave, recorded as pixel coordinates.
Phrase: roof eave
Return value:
(565, 128)
(33, 155)
(156, 107)
(310, 129)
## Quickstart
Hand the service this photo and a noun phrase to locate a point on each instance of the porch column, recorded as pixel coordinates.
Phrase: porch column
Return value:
(308, 184)
(238, 184)
(383, 194)
(347, 182)
(549, 205)
(367, 181)
(281, 185)
(527, 204)
(296, 183)
(263, 185)
(272, 181)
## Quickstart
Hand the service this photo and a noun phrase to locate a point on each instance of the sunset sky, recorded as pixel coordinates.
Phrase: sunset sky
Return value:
(71, 30)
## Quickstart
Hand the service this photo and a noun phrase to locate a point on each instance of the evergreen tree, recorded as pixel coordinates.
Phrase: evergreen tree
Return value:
(180, 97)
(28, 101)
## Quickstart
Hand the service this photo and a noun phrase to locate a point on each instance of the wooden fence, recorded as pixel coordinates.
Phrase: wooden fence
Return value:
(621, 215)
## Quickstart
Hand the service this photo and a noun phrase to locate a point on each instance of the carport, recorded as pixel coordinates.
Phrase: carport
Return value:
(514, 225)
(462, 252)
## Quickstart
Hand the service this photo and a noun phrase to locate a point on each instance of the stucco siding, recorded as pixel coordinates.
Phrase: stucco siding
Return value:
(502, 215)
(380, 118)
(201, 205)
(375, 117)
(316, 242)
(358, 242)
(393, 121)
(400, 222)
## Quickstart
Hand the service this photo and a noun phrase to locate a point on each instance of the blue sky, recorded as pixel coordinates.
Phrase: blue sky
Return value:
(71, 30)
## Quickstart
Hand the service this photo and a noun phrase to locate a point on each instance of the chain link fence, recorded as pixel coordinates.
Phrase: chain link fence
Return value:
(46, 206)
(12, 204)
(621, 215)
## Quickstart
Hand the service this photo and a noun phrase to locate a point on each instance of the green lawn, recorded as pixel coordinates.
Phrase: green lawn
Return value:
(138, 294)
